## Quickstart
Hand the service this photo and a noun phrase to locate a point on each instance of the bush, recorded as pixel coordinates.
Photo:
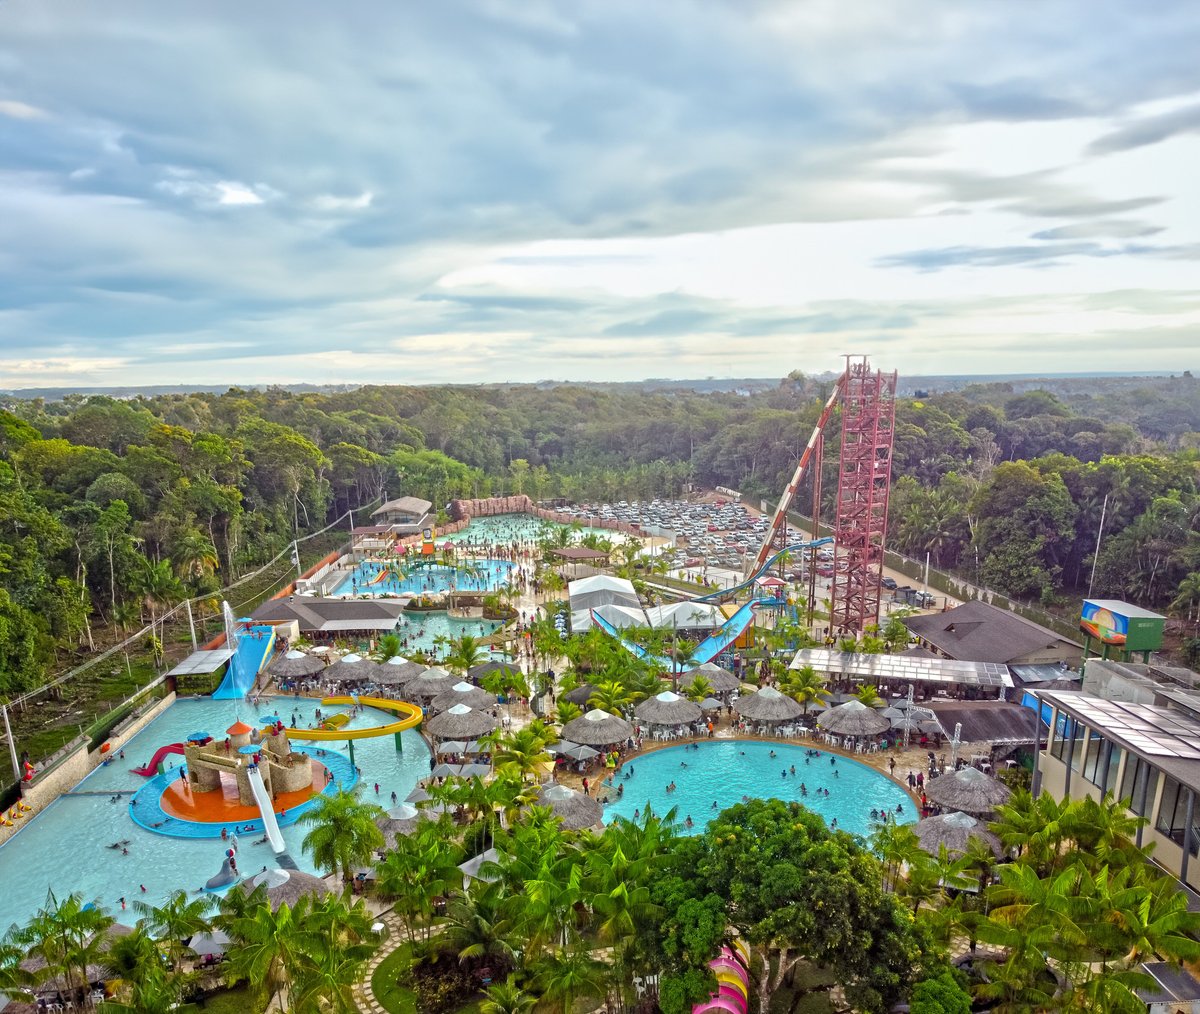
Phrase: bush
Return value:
(441, 986)
(942, 995)
(477, 838)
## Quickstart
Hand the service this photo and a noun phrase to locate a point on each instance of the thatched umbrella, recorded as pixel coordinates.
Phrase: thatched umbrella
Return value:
(597, 728)
(478, 672)
(853, 719)
(460, 722)
(954, 830)
(768, 705)
(462, 693)
(429, 684)
(667, 708)
(352, 669)
(721, 680)
(574, 809)
(288, 886)
(400, 820)
(969, 790)
(397, 671)
(580, 695)
(297, 665)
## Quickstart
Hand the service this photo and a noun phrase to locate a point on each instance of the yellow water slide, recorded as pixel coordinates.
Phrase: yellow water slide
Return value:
(410, 718)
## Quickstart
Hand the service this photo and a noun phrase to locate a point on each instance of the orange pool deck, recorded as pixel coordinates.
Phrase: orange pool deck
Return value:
(223, 807)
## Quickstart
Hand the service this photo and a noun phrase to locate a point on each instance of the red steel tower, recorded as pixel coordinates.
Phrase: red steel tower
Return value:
(864, 481)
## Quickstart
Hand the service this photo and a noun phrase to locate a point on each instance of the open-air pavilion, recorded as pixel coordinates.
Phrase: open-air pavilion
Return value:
(931, 675)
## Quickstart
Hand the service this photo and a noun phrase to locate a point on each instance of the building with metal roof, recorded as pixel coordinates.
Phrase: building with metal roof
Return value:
(931, 670)
(979, 632)
(317, 616)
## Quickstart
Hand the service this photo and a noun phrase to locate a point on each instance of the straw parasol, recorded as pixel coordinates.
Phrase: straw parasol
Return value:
(667, 708)
(574, 809)
(597, 728)
(397, 671)
(460, 722)
(351, 669)
(429, 684)
(400, 819)
(969, 790)
(297, 664)
(954, 830)
(462, 693)
(721, 680)
(853, 719)
(580, 695)
(768, 705)
(288, 886)
(478, 672)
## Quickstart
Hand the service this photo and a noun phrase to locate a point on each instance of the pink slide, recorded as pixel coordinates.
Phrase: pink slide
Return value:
(159, 754)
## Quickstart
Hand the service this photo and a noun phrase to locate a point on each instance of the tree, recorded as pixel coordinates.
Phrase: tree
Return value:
(343, 833)
(524, 752)
(267, 946)
(805, 686)
(465, 653)
(68, 935)
(940, 995)
(177, 918)
(569, 974)
(506, 998)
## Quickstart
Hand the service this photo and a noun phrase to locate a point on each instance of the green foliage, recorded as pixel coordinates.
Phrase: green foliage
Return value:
(940, 995)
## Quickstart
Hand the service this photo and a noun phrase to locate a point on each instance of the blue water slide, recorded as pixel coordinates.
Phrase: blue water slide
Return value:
(706, 650)
(252, 653)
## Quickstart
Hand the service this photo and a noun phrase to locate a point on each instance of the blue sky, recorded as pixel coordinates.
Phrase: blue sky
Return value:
(521, 190)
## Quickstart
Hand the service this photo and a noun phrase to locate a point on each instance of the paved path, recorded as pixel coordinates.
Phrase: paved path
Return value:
(364, 995)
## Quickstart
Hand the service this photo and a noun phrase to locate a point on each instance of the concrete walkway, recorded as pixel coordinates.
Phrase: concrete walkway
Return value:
(364, 995)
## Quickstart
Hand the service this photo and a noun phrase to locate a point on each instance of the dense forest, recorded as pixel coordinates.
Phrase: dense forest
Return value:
(111, 510)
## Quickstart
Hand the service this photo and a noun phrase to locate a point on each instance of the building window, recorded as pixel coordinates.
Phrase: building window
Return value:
(1114, 765)
(1081, 740)
(1062, 735)
(1133, 794)
(1093, 768)
(1172, 815)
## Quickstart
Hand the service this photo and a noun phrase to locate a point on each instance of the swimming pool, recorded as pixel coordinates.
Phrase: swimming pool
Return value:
(723, 771)
(512, 529)
(432, 579)
(419, 631)
(66, 846)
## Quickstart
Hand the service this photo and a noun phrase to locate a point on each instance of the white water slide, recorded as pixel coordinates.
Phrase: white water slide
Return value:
(270, 824)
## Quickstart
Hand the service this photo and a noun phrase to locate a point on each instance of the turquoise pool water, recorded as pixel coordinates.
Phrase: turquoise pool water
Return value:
(723, 771)
(65, 846)
(509, 529)
(477, 575)
(420, 630)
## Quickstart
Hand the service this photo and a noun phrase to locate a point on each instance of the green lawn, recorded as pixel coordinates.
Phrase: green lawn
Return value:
(231, 1001)
(384, 984)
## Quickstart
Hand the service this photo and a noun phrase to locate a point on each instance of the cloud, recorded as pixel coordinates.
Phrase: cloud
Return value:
(1149, 130)
(20, 110)
(690, 183)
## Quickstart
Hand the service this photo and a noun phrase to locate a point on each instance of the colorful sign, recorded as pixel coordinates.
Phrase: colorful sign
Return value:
(1123, 625)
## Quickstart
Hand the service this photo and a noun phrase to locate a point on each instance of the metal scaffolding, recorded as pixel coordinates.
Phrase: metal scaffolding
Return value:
(864, 481)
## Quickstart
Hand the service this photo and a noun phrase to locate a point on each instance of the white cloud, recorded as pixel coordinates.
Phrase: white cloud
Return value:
(332, 202)
(21, 110)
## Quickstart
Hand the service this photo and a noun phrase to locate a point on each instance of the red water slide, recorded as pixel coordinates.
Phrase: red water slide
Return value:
(159, 754)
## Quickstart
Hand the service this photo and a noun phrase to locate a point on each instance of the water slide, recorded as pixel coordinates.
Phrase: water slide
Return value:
(410, 718)
(157, 759)
(249, 657)
(270, 824)
(825, 540)
(383, 575)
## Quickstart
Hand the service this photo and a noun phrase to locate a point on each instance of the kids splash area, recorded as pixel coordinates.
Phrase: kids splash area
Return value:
(425, 578)
(205, 778)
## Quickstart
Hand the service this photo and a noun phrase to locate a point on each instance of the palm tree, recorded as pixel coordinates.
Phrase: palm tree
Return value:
(343, 831)
(465, 653)
(804, 685)
(195, 556)
(338, 940)
(523, 752)
(179, 917)
(157, 586)
(698, 689)
(136, 959)
(422, 866)
(68, 936)
(1187, 597)
(570, 974)
(506, 998)
(566, 711)
(478, 931)
(388, 646)
(611, 696)
(13, 978)
(267, 946)
(896, 845)
(868, 695)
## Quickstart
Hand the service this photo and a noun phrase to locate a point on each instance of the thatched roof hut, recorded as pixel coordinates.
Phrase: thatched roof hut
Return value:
(853, 719)
(297, 665)
(667, 708)
(954, 830)
(463, 693)
(288, 886)
(351, 669)
(429, 684)
(574, 809)
(597, 728)
(721, 680)
(460, 722)
(768, 705)
(969, 790)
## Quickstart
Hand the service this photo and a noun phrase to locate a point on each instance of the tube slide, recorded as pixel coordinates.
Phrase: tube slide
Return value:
(410, 718)
(270, 824)
(733, 983)
(156, 760)
(383, 575)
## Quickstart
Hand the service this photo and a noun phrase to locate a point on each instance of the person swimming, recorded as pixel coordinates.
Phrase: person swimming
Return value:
(689, 822)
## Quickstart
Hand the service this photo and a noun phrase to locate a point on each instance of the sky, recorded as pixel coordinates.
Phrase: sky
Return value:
(507, 190)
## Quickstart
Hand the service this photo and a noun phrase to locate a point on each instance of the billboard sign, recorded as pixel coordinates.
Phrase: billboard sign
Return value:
(1122, 625)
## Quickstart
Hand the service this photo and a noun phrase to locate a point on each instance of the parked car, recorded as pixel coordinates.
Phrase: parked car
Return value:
(889, 583)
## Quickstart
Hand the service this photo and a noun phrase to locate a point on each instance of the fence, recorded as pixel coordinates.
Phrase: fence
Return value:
(92, 697)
